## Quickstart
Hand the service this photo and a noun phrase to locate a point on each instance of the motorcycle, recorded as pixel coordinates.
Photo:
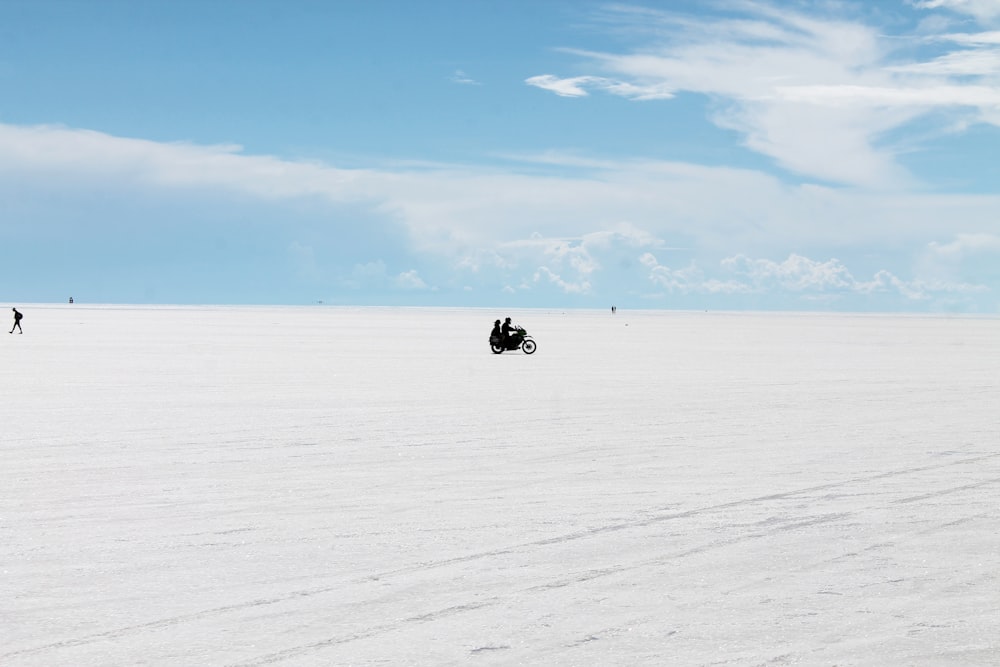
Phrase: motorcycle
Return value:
(519, 339)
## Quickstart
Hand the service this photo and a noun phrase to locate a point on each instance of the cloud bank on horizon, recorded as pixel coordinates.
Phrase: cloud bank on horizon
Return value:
(726, 155)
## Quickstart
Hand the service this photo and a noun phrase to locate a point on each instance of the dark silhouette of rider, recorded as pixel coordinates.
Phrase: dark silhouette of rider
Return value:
(496, 334)
(505, 331)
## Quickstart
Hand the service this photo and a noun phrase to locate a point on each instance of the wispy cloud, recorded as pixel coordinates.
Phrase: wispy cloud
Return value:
(815, 92)
(983, 10)
(571, 87)
(375, 276)
(968, 244)
(410, 280)
(87, 154)
(460, 77)
(577, 231)
(578, 87)
(545, 274)
(796, 275)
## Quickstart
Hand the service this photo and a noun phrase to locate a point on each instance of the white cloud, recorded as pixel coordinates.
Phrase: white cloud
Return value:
(983, 10)
(563, 87)
(577, 87)
(967, 244)
(871, 96)
(464, 79)
(94, 155)
(544, 274)
(957, 63)
(574, 229)
(479, 215)
(817, 94)
(410, 280)
(571, 263)
(974, 38)
(687, 279)
(796, 275)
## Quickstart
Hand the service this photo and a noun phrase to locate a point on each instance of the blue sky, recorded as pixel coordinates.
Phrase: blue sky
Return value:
(695, 155)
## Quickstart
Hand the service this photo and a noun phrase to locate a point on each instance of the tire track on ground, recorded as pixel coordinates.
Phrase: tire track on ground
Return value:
(874, 546)
(296, 651)
(560, 539)
(598, 573)
(948, 491)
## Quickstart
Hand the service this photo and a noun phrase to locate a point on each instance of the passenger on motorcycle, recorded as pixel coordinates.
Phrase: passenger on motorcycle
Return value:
(496, 334)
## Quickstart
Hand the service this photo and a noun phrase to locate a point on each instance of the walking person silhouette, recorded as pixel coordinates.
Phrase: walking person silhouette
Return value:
(17, 322)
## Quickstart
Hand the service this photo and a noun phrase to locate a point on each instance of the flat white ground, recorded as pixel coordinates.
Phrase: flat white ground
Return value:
(335, 486)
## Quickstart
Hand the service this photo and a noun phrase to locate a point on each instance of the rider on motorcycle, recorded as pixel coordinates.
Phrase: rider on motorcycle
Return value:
(510, 337)
(505, 331)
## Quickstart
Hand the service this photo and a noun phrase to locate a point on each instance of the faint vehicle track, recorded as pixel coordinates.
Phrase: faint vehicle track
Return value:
(795, 523)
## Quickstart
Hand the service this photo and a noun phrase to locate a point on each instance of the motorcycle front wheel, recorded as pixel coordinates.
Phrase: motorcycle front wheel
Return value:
(497, 349)
(528, 346)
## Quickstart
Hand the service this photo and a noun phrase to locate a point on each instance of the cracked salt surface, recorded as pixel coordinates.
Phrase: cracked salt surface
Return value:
(332, 486)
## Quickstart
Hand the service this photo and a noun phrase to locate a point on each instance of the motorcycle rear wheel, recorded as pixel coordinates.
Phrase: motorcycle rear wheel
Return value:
(497, 349)
(528, 346)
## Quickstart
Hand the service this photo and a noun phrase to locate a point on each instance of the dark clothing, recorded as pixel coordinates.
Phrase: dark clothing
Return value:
(506, 330)
(17, 321)
(496, 334)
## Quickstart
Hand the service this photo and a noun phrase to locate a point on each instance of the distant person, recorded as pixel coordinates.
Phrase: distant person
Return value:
(17, 322)
(496, 334)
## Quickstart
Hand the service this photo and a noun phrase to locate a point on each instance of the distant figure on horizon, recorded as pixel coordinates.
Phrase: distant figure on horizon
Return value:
(17, 322)
(614, 310)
